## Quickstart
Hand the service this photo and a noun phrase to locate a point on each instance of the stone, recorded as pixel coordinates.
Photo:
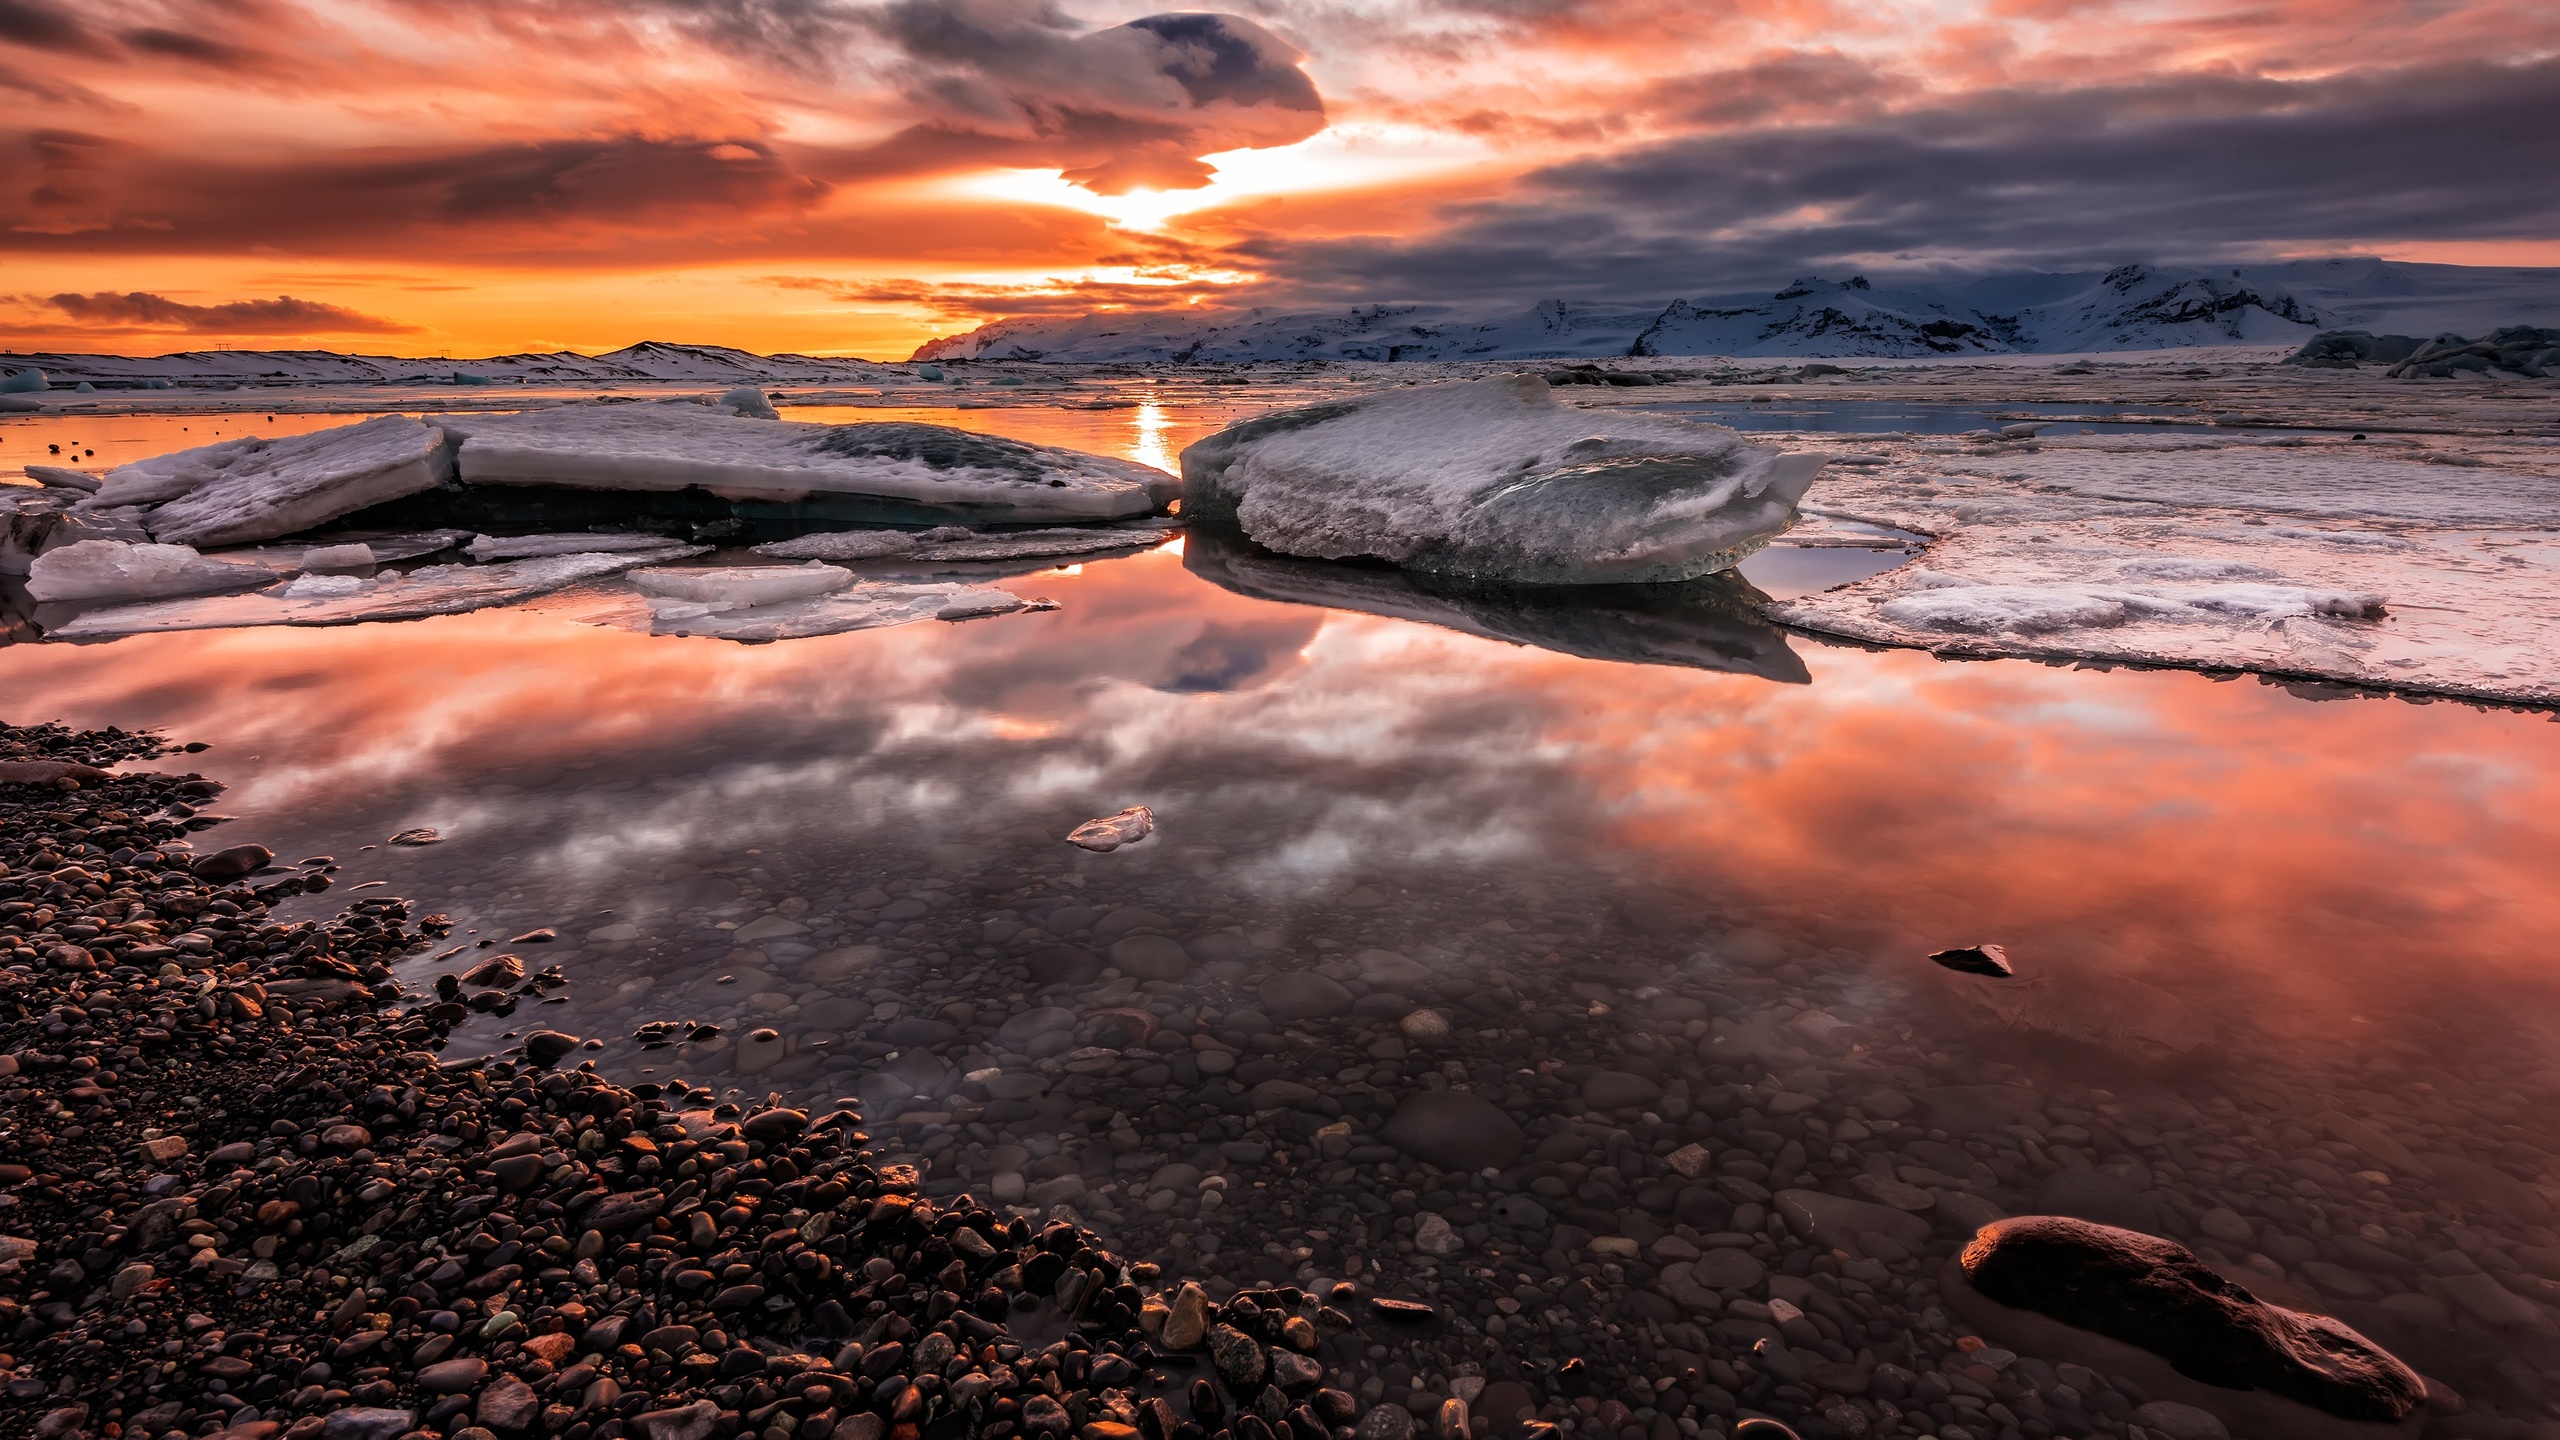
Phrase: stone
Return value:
(689, 1422)
(2097, 1196)
(2484, 1299)
(507, 1406)
(621, 1212)
(760, 1050)
(1963, 1109)
(346, 1137)
(1432, 1236)
(2227, 1226)
(549, 1047)
(1424, 1025)
(1385, 1422)
(453, 1377)
(1988, 960)
(1237, 1358)
(2126, 1303)
(1885, 1190)
(1187, 1321)
(1062, 964)
(1151, 957)
(1454, 1130)
(1302, 995)
(1836, 1222)
(775, 1124)
(1725, 1268)
(367, 1422)
(1689, 1160)
(232, 864)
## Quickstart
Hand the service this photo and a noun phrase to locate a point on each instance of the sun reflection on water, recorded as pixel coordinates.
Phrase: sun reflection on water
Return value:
(1149, 447)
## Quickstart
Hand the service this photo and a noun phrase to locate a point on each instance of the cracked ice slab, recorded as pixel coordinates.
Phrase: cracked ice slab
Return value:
(859, 606)
(956, 542)
(1497, 479)
(664, 447)
(235, 492)
(2318, 559)
(349, 599)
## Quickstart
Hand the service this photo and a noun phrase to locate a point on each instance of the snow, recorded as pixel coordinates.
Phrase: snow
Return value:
(736, 587)
(663, 447)
(862, 606)
(88, 570)
(2132, 307)
(236, 491)
(1496, 478)
(522, 547)
(328, 600)
(959, 543)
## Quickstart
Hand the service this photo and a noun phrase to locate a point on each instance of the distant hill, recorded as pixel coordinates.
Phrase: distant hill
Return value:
(2132, 307)
(649, 360)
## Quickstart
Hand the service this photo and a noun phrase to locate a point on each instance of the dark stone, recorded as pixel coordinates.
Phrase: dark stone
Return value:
(1618, 1090)
(1062, 965)
(548, 1047)
(772, 1125)
(233, 863)
(2156, 1295)
(1454, 1130)
(1302, 995)
(2095, 1196)
(1988, 960)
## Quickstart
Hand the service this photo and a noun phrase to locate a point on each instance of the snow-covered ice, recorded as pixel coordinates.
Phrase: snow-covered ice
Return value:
(866, 605)
(663, 447)
(233, 492)
(113, 569)
(63, 477)
(328, 600)
(526, 547)
(958, 542)
(1496, 478)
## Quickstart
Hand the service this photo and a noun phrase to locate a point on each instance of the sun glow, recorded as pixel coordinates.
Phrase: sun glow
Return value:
(1342, 158)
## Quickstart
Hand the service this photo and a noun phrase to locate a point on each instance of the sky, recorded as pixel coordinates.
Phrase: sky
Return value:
(845, 177)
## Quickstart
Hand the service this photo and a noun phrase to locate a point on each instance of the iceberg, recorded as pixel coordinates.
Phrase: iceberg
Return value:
(237, 491)
(1496, 479)
(350, 599)
(931, 469)
(958, 542)
(115, 569)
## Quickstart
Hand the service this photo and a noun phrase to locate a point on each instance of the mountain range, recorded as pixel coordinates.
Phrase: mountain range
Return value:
(2132, 307)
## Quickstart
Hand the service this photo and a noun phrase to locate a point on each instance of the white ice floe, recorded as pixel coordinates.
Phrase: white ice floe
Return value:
(683, 594)
(1495, 478)
(87, 570)
(2309, 557)
(63, 477)
(958, 542)
(526, 547)
(348, 599)
(665, 447)
(861, 606)
(237, 491)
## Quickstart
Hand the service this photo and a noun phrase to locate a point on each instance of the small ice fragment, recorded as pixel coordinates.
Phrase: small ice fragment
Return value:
(924, 372)
(2021, 431)
(113, 569)
(842, 545)
(749, 401)
(423, 835)
(338, 557)
(1991, 960)
(324, 587)
(1113, 831)
(944, 534)
(61, 477)
(972, 604)
(524, 547)
(741, 587)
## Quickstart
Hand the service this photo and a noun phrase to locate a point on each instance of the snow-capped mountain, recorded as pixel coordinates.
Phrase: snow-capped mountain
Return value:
(648, 360)
(2132, 307)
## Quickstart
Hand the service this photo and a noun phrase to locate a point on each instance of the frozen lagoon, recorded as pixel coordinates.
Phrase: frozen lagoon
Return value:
(2283, 982)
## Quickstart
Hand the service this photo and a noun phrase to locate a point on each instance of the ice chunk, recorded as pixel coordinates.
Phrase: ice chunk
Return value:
(747, 400)
(113, 569)
(27, 381)
(668, 447)
(959, 543)
(1496, 478)
(324, 587)
(1113, 831)
(354, 556)
(524, 547)
(60, 477)
(250, 489)
(432, 590)
(739, 587)
(857, 607)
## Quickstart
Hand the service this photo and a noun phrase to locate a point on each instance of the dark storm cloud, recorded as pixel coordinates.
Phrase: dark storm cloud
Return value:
(284, 315)
(2191, 169)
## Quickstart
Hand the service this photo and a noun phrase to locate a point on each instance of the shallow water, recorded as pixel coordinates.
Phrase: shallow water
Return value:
(1679, 895)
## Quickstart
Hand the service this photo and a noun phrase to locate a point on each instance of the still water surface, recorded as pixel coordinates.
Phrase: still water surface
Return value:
(1630, 904)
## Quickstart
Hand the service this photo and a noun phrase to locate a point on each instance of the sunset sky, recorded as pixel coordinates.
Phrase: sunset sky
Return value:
(470, 177)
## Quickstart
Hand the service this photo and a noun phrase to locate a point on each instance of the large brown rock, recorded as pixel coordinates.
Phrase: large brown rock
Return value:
(2136, 1305)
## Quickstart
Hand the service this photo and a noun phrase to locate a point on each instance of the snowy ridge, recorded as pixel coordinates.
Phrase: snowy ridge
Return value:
(2132, 307)
(649, 360)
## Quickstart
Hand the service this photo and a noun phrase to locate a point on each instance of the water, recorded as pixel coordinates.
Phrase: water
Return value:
(1827, 416)
(1660, 880)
